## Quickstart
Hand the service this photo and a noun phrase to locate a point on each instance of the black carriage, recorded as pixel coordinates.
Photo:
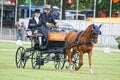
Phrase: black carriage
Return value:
(43, 53)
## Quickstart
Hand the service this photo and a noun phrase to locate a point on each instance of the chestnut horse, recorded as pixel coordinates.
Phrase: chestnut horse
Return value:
(81, 42)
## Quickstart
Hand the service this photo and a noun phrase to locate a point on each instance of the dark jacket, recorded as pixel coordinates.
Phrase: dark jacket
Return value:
(47, 18)
(33, 24)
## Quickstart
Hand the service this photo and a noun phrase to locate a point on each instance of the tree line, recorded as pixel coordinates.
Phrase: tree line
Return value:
(104, 5)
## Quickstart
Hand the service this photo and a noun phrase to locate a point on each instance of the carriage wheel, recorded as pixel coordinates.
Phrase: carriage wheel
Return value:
(59, 61)
(20, 58)
(32, 43)
(75, 61)
(36, 60)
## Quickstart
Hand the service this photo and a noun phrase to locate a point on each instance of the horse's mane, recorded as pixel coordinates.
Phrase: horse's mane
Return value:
(88, 30)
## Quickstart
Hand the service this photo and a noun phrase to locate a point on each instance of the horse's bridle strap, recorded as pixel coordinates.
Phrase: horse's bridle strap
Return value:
(76, 43)
(83, 43)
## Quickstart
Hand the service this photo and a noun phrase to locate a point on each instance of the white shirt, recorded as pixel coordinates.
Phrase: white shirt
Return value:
(37, 20)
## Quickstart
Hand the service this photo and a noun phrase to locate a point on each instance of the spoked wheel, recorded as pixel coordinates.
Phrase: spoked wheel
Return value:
(75, 61)
(20, 57)
(59, 61)
(36, 60)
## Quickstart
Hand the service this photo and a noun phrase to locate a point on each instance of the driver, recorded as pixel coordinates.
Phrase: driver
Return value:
(48, 20)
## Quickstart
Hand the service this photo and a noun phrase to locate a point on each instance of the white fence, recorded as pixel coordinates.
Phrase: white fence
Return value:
(8, 33)
(109, 31)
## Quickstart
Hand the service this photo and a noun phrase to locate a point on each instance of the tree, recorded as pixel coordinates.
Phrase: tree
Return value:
(83, 4)
(105, 6)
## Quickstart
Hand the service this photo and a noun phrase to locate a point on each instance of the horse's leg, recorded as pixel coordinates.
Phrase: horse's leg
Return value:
(90, 61)
(69, 58)
(81, 61)
(73, 52)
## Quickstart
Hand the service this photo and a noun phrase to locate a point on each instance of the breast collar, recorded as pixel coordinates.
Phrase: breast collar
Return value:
(78, 43)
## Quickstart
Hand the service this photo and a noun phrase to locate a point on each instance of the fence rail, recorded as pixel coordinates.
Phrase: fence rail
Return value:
(8, 33)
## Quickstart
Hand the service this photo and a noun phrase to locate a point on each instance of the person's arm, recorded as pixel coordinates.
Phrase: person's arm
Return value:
(44, 22)
(53, 19)
(43, 19)
(54, 22)
(29, 24)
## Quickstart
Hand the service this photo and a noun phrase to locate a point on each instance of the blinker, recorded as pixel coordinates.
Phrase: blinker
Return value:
(96, 29)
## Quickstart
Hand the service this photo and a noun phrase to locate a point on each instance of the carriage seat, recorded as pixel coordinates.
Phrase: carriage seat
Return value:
(57, 36)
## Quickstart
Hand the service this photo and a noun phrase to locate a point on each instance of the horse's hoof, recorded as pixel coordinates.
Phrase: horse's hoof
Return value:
(76, 68)
(71, 70)
(91, 71)
(67, 67)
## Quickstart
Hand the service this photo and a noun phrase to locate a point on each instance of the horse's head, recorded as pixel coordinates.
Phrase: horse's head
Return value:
(95, 32)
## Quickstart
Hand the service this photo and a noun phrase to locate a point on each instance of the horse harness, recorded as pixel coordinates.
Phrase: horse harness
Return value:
(76, 42)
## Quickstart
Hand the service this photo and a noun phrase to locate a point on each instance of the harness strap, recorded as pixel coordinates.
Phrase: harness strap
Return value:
(83, 43)
(76, 42)
(78, 34)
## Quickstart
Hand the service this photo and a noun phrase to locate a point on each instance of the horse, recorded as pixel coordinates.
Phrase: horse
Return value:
(81, 42)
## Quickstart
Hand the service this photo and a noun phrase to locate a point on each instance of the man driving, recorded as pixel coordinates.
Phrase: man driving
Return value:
(48, 20)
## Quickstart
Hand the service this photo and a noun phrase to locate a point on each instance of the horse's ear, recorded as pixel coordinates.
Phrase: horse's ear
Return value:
(93, 26)
(100, 25)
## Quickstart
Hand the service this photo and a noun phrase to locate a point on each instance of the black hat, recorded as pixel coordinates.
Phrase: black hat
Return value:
(37, 11)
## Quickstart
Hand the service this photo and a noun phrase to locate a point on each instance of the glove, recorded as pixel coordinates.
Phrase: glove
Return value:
(49, 24)
(56, 25)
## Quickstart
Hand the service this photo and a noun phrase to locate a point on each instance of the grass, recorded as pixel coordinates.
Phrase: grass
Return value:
(106, 66)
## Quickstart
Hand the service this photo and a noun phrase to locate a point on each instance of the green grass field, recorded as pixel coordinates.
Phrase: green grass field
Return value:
(106, 66)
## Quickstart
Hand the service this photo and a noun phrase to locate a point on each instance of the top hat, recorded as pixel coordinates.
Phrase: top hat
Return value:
(37, 11)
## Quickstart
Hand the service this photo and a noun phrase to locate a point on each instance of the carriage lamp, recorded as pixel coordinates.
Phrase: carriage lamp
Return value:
(29, 33)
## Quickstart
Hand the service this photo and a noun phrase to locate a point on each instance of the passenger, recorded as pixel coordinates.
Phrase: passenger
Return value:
(35, 21)
(47, 20)
(35, 24)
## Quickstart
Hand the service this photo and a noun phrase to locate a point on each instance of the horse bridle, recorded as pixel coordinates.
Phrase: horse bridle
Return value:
(93, 32)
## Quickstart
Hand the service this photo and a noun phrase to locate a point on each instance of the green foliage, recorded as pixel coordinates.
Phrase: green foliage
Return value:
(101, 5)
(27, 1)
(118, 41)
(83, 4)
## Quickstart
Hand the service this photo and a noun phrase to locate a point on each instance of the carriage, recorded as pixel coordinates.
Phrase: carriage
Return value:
(69, 47)
(43, 50)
